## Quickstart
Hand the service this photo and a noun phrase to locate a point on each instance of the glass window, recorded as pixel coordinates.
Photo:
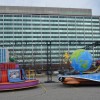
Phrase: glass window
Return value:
(17, 36)
(95, 17)
(8, 19)
(1, 19)
(26, 24)
(62, 16)
(8, 28)
(17, 28)
(27, 28)
(17, 19)
(53, 16)
(17, 24)
(62, 21)
(8, 15)
(1, 23)
(44, 16)
(8, 36)
(17, 32)
(53, 20)
(17, 15)
(8, 32)
(45, 20)
(26, 19)
(26, 15)
(8, 24)
(35, 16)
(36, 20)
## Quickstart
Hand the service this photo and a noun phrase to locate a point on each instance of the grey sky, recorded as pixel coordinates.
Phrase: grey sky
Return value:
(91, 4)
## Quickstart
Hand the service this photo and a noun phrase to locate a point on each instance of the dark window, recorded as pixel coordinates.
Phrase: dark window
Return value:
(7, 15)
(8, 19)
(17, 15)
(26, 15)
(17, 19)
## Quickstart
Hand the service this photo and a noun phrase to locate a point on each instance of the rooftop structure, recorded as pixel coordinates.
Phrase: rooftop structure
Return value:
(45, 10)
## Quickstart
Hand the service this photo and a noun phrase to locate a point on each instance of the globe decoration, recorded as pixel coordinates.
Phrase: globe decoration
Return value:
(81, 60)
(11, 59)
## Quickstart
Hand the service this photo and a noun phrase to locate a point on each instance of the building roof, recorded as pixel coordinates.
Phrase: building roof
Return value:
(45, 10)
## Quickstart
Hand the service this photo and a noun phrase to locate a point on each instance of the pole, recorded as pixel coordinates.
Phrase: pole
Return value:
(49, 68)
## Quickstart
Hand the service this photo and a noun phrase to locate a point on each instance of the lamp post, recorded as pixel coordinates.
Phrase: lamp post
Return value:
(49, 67)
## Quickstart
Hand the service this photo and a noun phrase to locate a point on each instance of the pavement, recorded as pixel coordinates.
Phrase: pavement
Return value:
(53, 91)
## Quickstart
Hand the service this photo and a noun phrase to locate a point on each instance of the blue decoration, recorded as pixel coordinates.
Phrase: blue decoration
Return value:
(14, 75)
(81, 60)
(92, 77)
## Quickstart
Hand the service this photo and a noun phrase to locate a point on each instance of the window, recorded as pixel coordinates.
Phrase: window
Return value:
(7, 15)
(53, 16)
(26, 19)
(17, 24)
(1, 19)
(8, 24)
(18, 28)
(17, 19)
(26, 15)
(17, 15)
(8, 19)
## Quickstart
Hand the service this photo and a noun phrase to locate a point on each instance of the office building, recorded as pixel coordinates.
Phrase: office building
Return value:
(41, 35)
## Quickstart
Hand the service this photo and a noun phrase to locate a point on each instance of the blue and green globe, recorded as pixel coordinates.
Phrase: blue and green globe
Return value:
(81, 60)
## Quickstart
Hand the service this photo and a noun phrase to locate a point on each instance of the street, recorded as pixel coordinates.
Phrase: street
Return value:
(53, 91)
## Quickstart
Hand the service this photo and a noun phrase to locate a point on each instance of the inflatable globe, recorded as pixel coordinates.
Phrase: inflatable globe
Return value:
(81, 60)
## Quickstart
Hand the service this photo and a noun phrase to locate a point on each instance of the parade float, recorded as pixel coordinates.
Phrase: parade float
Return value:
(81, 61)
(12, 77)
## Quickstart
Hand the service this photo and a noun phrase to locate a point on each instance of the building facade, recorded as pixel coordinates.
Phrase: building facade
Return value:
(41, 35)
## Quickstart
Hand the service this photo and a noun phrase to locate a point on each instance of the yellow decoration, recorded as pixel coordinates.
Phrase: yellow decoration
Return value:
(66, 55)
(30, 74)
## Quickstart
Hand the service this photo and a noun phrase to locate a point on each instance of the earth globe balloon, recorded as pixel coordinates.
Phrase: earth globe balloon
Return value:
(81, 60)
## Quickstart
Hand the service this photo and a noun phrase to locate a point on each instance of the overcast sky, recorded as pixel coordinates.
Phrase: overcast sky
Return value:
(91, 4)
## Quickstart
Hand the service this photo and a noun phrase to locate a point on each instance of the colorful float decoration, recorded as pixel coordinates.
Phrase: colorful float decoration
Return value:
(81, 62)
(12, 77)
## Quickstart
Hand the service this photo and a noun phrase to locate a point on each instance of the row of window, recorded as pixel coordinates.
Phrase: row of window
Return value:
(43, 25)
(37, 46)
(56, 33)
(47, 16)
(50, 20)
(89, 36)
(50, 23)
(48, 35)
(49, 28)
(76, 29)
